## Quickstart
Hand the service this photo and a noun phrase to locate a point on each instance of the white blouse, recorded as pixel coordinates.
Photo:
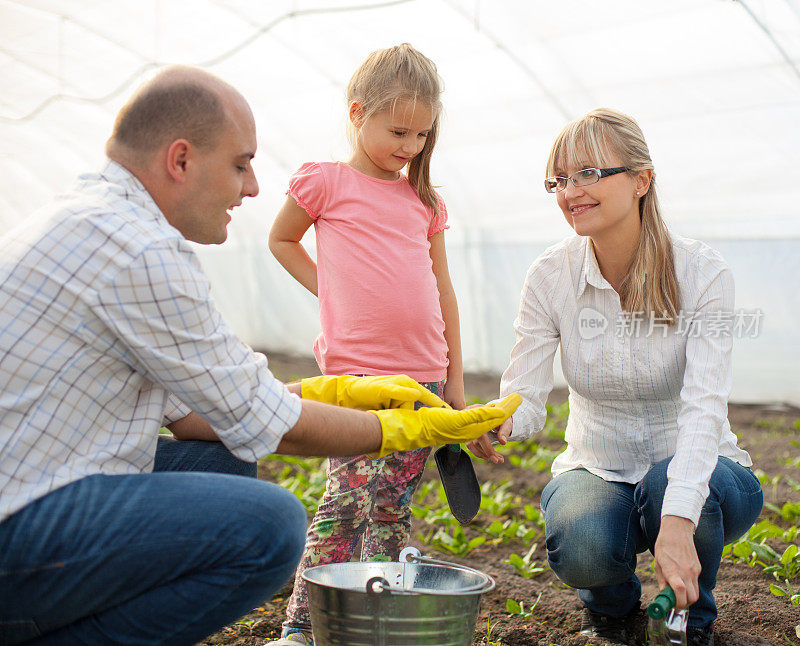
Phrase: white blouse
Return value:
(639, 390)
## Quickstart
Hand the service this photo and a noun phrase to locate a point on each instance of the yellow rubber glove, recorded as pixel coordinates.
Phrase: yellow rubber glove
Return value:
(369, 393)
(404, 430)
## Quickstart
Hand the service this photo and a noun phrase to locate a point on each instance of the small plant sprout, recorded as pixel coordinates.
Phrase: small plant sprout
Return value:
(456, 543)
(525, 565)
(489, 630)
(518, 607)
(787, 591)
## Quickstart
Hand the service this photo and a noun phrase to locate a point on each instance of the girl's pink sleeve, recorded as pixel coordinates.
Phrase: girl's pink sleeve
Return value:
(307, 187)
(438, 222)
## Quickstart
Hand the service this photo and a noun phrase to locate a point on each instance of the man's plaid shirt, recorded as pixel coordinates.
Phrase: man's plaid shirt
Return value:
(108, 331)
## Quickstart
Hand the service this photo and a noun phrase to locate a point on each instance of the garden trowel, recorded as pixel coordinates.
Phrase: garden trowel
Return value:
(665, 626)
(460, 482)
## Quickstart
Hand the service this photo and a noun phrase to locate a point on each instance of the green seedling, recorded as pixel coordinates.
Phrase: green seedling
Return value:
(496, 498)
(788, 565)
(518, 607)
(525, 565)
(789, 511)
(765, 480)
(539, 460)
(783, 567)
(792, 462)
(772, 424)
(788, 591)
(456, 543)
(753, 553)
(250, 623)
(510, 530)
(434, 516)
(791, 642)
(766, 529)
(489, 630)
(304, 477)
(533, 514)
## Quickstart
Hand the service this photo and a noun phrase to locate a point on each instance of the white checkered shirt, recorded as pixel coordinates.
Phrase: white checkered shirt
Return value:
(108, 331)
(636, 396)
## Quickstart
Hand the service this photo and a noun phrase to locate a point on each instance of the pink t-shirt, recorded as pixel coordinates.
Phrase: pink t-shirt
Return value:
(378, 300)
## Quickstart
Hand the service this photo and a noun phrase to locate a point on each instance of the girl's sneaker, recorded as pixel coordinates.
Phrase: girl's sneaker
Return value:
(292, 639)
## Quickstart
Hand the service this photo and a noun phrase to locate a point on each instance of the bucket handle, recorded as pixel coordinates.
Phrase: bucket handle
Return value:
(412, 555)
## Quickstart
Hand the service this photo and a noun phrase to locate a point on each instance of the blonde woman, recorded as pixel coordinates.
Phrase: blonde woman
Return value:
(643, 321)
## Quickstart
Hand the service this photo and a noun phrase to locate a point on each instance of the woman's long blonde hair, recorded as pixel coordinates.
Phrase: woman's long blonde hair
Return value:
(395, 74)
(650, 285)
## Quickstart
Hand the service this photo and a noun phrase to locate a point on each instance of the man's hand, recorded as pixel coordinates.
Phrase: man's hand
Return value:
(483, 447)
(404, 430)
(369, 393)
(676, 560)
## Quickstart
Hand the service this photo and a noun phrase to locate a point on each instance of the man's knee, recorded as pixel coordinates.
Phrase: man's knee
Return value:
(281, 533)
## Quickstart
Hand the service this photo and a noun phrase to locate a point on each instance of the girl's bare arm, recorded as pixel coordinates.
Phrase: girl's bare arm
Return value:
(454, 389)
(289, 227)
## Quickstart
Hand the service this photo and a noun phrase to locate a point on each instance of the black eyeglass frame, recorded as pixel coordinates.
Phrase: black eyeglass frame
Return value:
(551, 183)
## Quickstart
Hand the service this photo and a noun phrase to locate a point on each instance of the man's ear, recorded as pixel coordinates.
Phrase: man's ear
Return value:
(179, 153)
(357, 114)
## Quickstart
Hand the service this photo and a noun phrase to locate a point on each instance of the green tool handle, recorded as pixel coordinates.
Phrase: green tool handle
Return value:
(662, 604)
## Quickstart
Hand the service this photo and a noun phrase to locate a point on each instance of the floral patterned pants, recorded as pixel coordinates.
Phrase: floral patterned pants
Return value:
(363, 497)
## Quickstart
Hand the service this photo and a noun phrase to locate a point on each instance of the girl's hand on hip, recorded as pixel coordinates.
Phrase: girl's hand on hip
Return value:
(676, 560)
(483, 447)
(454, 394)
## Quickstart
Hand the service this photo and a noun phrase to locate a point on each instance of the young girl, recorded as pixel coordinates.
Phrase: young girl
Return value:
(385, 298)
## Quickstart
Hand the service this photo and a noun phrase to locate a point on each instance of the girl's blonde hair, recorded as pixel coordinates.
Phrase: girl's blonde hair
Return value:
(650, 285)
(401, 73)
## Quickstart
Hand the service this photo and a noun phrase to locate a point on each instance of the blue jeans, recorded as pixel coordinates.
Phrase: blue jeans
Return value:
(157, 558)
(595, 528)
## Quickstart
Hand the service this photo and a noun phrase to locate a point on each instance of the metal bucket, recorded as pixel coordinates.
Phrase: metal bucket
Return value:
(415, 602)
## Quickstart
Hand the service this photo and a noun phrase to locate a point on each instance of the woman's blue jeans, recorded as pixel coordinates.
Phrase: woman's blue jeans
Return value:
(157, 558)
(595, 528)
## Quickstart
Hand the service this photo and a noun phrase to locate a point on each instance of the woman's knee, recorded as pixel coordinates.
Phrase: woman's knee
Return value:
(584, 554)
(582, 563)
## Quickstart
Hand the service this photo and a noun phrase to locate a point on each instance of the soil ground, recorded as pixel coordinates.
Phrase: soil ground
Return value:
(749, 615)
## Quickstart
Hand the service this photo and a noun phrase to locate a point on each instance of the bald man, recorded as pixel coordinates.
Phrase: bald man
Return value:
(110, 533)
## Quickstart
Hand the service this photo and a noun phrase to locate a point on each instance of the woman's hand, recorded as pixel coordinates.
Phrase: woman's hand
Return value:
(482, 447)
(676, 560)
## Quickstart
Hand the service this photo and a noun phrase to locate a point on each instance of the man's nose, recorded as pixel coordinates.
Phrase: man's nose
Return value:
(250, 187)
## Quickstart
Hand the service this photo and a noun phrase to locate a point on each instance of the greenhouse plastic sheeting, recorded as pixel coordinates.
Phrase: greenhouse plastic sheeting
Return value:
(714, 84)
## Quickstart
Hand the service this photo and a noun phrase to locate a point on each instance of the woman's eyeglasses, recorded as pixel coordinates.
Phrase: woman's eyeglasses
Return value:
(581, 178)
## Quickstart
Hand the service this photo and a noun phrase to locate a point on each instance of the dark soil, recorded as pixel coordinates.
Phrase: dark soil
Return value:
(749, 615)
